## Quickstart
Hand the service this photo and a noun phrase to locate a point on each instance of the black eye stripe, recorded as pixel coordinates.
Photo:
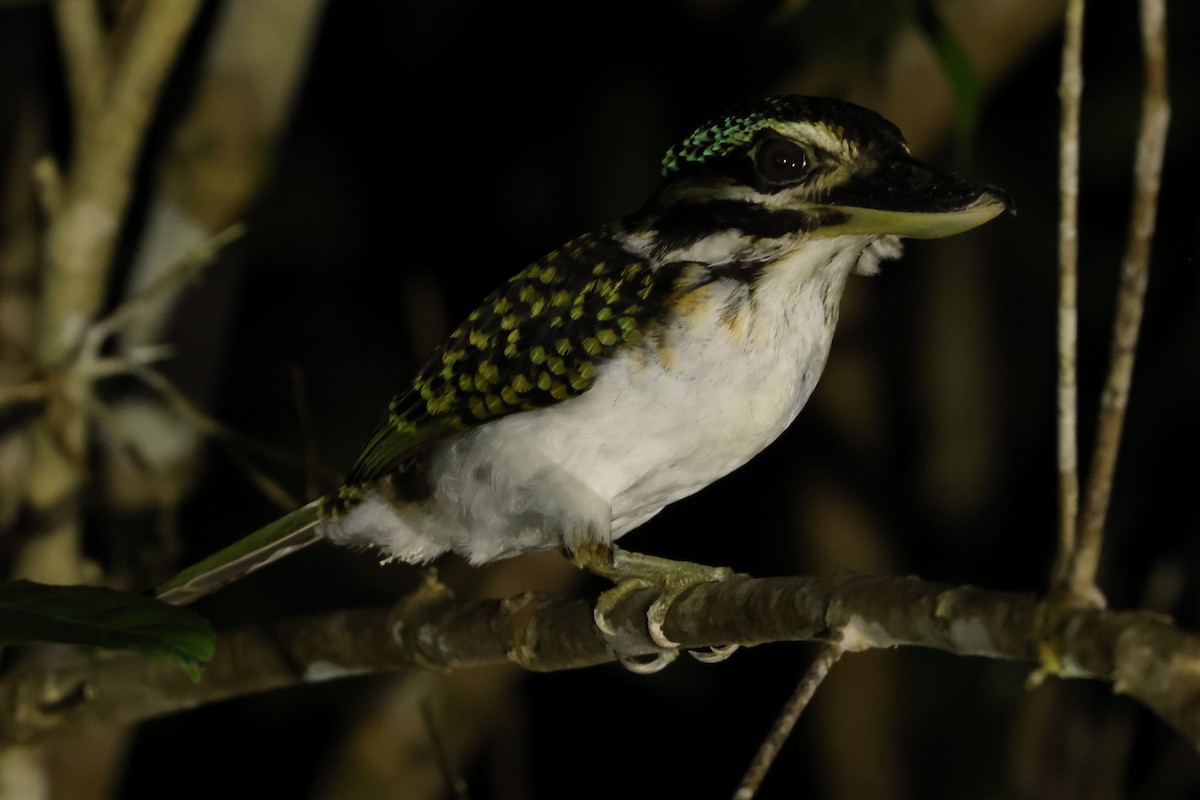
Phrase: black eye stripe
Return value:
(781, 161)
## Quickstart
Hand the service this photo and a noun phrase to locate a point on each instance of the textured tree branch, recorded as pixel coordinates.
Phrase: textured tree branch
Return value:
(1143, 655)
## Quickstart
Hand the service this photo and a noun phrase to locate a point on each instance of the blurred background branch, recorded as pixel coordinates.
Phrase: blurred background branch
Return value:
(113, 113)
(117, 57)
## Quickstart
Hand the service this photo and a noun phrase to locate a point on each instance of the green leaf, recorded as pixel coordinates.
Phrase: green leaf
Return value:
(964, 80)
(93, 616)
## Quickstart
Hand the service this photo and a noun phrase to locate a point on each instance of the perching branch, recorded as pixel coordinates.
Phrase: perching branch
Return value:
(1131, 295)
(1145, 656)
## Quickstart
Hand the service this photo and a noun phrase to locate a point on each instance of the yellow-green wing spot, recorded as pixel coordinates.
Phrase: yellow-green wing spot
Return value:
(540, 338)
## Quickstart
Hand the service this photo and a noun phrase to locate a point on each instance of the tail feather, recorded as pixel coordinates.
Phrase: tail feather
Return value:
(289, 533)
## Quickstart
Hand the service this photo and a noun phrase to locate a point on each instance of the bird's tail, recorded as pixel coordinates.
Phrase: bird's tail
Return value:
(289, 533)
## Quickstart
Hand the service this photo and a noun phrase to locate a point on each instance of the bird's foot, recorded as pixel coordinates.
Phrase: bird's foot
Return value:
(634, 571)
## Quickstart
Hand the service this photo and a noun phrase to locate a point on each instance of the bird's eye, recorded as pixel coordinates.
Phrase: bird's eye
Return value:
(781, 161)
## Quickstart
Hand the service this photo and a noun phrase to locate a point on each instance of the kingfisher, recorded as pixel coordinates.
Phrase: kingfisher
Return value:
(637, 363)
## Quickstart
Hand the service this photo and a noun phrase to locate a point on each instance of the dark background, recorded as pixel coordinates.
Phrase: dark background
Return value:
(438, 148)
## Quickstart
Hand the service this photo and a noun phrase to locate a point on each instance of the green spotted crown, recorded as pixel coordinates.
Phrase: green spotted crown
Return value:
(738, 128)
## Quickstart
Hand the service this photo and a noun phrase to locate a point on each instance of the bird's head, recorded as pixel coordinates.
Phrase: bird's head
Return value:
(791, 168)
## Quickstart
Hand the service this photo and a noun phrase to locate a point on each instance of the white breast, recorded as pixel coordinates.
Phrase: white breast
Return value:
(727, 374)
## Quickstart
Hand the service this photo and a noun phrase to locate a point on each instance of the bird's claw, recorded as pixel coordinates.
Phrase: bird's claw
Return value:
(715, 654)
(656, 618)
(648, 666)
(671, 586)
(642, 665)
(610, 599)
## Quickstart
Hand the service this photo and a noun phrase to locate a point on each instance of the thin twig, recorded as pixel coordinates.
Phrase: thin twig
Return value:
(111, 366)
(23, 393)
(48, 185)
(112, 426)
(1131, 295)
(169, 281)
(90, 366)
(827, 656)
(214, 429)
(1070, 90)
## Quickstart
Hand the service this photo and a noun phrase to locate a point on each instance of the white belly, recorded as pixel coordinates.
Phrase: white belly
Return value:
(688, 407)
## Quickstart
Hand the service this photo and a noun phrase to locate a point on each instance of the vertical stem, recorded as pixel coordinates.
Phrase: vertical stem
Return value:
(86, 59)
(1131, 295)
(1070, 90)
(827, 656)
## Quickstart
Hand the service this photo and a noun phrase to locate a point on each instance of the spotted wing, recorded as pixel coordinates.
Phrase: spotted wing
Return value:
(536, 341)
